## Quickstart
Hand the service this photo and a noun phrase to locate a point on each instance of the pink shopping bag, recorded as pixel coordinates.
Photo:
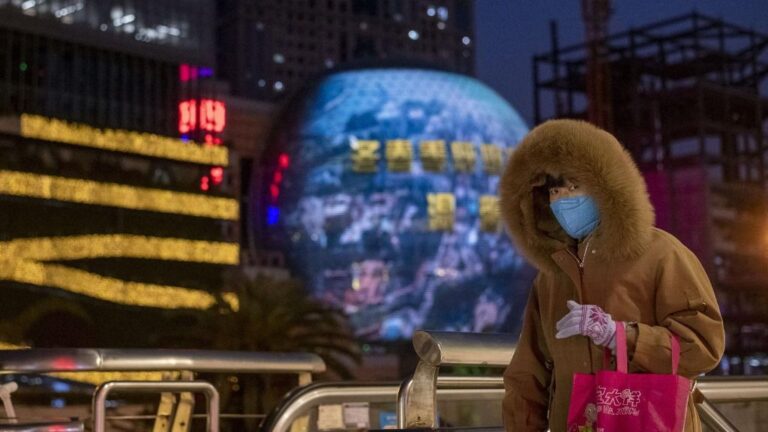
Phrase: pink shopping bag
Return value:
(618, 401)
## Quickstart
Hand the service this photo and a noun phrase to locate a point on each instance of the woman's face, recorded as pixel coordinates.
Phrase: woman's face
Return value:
(567, 190)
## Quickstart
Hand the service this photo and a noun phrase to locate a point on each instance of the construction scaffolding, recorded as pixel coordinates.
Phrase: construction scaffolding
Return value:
(687, 99)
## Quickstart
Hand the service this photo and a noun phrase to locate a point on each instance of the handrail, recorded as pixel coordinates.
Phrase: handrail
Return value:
(733, 389)
(713, 418)
(100, 397)
(297, 402)
(42, 360)
(301, 399)
(417, 406)
(470, 349)
(45, 360)
(726, 389)
(459, 382)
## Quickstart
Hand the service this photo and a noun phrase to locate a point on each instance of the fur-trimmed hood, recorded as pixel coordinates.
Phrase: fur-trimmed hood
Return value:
(591, 158)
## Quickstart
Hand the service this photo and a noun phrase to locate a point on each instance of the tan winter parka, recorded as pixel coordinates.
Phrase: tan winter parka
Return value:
(634, 271)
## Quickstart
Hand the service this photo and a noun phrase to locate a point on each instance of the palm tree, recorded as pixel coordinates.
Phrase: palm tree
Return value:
(280, 316)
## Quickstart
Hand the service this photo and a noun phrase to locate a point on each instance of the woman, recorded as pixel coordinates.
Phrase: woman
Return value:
(576, 206)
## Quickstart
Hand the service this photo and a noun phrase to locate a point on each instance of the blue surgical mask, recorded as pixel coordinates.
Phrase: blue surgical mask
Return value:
(577, 215)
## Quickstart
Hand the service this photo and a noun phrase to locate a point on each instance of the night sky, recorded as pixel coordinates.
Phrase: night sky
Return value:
(510, 32)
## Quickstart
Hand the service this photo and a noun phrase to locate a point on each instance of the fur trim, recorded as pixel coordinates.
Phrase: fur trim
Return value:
(593, 159)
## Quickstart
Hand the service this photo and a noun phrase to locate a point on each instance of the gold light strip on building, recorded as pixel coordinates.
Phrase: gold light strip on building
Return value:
(120, 246)
(117, 195)
(10, 346)
(108, 289)
(144, 144)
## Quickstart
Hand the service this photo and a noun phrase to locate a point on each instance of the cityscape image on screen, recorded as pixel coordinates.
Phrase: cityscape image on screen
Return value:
(385, 189)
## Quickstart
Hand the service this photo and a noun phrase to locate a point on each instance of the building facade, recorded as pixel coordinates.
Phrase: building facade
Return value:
(106, 78)
(269, 48)
(181, 25)
(116, 201)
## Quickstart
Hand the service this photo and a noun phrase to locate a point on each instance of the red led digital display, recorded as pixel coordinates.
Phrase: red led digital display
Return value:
(187, 116)
(206, 115)
(201, 120)
(213, 115)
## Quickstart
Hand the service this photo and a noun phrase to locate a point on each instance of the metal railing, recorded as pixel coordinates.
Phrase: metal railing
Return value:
(300, 401)
(713, 418)
(145, 360)
(416, 401)
(733, 389)
(417, 395)
(100, 398)
(469, 349)
(44, 360)
(415, 398)
(710, 390)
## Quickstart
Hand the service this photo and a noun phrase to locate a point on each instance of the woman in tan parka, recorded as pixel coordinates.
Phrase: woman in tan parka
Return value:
(623, 269)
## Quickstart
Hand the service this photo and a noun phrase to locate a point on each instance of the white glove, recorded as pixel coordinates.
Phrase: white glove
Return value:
(590, 321)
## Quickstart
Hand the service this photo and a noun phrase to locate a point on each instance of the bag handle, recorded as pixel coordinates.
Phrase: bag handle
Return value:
(621, 349)
(675, 343)
(621, 341)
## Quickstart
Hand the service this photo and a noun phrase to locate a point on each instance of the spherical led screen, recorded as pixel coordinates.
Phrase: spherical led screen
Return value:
(384, 187)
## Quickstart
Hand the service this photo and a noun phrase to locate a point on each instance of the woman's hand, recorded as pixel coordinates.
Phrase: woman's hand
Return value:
(590, 321)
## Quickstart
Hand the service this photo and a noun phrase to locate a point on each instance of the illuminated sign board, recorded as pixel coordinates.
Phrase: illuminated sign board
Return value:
(206, 116)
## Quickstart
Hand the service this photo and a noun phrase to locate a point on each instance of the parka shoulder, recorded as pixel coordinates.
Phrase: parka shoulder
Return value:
(663, 245)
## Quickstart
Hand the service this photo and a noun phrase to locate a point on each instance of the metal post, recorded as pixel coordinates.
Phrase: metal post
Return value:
(100, 398)
(402, 401)
(421, 410)
(417, 403)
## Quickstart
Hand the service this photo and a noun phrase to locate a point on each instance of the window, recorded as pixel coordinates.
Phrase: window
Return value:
(365, 7)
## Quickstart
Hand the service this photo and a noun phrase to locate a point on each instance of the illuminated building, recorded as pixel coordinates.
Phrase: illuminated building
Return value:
(268, 48)
(177, 24)
(57, 61)
(117, 206)
(110, 223)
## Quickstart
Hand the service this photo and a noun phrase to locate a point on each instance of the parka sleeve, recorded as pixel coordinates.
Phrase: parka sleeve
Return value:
(686, 306)
(527, 378)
